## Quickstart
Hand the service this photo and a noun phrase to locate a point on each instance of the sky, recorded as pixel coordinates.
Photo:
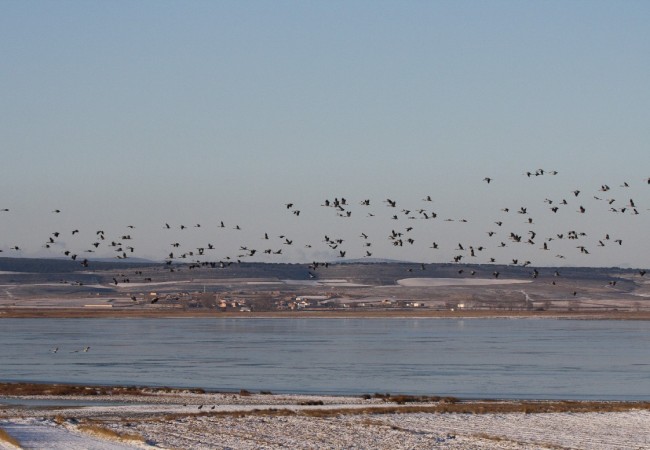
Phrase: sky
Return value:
(192, 113)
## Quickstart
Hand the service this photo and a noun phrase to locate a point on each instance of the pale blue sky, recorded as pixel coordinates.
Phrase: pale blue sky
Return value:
(149, 112)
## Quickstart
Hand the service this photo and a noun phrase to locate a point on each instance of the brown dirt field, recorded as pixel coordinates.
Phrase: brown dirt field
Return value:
(421, 313)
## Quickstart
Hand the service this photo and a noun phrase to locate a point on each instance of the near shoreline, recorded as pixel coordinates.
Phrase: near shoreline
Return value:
(141, 417)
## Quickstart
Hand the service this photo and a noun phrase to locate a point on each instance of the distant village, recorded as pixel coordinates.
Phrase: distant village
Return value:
(247, 301)
(241, 301)
(268, 301)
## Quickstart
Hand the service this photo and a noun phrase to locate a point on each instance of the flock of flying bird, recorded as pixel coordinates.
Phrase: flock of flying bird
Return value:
(397, 235)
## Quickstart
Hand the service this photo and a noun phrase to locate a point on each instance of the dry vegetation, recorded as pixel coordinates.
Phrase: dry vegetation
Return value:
(28, 389)
(402, 399)
(442, 407)
(491, 437)
(7, 438)
(107, 433)
(487, 407)
(402, 403)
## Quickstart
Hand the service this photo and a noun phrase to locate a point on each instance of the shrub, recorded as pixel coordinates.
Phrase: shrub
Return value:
(107, 433)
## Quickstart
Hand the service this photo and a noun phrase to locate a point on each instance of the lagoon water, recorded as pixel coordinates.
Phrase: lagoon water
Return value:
(471, 358)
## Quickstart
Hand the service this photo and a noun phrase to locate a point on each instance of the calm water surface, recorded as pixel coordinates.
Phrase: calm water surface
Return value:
(486, 358)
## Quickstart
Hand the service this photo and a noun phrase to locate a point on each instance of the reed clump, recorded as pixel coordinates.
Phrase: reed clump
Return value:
(107, 433)
(402, 399)
(9, 439)
(489, 437)
(59, 419)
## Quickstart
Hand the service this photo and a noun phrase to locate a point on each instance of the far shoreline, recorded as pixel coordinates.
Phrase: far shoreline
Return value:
(119, 313)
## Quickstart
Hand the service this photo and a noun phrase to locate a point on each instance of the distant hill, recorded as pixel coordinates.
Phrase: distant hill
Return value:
(372, 261)
(47, 265)
(365, 271)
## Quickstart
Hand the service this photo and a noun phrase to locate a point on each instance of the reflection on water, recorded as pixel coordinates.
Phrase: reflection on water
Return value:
(467, 358)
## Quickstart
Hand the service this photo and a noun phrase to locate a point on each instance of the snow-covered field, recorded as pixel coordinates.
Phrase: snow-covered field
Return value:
(211, 421)
(46, 434)
(324, 282)
(628, 430)
(438, 282)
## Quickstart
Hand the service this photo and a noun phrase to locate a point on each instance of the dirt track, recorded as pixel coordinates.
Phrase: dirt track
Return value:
(394, 313)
